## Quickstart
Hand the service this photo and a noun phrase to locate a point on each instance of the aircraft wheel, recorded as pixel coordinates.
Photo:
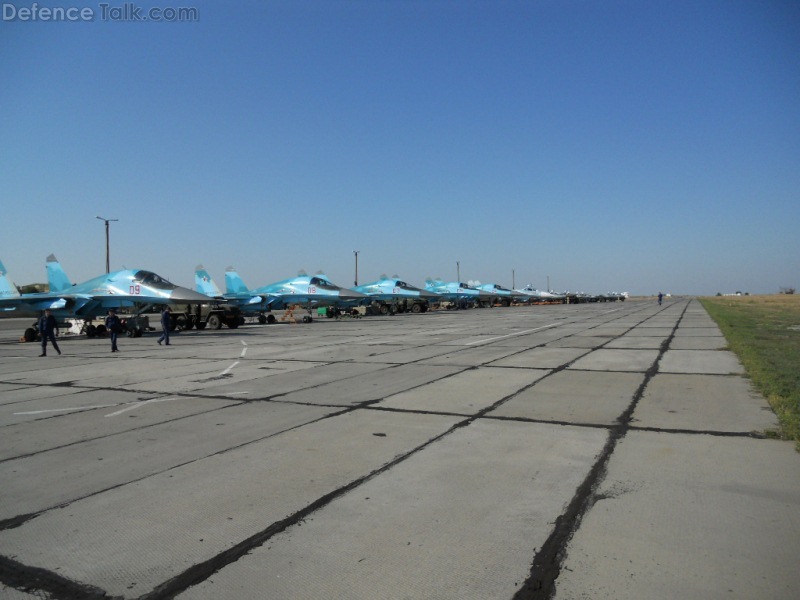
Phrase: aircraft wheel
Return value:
(271, 319)
(101, 331)
(29, 335)
(262, 319)
(214, 322)
(91, 331)
(307, 319)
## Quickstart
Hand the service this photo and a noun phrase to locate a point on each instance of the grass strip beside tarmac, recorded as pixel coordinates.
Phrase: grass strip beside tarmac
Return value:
(764, 332)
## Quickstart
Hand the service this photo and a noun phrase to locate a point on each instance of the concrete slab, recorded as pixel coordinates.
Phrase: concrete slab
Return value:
(465, 393)
(635, 342)
(371, 386)
(719, 362)
(508, 481)
(690, 516)
(616, 360)
(697, 331)
(579, 342)
(700, 402)
(57, 429)
(47, 479)
(711, 342)
(192, 513)
(574, 397)
(541, 358)
(471, 357)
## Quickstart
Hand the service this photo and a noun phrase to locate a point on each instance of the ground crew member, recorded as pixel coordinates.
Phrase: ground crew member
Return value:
(48, 329)
(114, 327)
(166, 323)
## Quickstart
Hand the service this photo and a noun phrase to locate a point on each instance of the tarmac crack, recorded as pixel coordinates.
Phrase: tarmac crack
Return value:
(547, 562)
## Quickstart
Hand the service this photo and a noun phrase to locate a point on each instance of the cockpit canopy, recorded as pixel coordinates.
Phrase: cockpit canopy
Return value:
(323, 283)
(150, 279)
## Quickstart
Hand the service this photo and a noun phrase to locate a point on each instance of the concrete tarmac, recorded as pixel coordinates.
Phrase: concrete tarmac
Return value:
(573, 451)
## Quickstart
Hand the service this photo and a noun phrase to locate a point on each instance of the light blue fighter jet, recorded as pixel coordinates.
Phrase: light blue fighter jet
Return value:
(135, 289)
(304, 290)
(394, 295)
(502, 295)
(461, 293)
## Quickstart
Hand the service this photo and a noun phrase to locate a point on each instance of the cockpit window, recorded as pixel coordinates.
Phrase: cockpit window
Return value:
(401, 284)
(323, 283)
(151, 279)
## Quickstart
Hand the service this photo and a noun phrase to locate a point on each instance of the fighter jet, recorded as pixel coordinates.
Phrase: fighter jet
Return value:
(305, 290)
(394, 295)
(540, 296)
(460, 293)
(137, 289)
(502, 295)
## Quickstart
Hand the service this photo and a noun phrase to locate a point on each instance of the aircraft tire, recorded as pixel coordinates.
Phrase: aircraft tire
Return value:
(29, 335)
(91, 331)
(101, 331)
(271, 319)
(262, 319)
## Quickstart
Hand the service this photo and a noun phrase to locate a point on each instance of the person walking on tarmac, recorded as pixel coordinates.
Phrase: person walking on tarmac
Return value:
(166, 323)
(48, 329)
(113, 326)
(660, 298)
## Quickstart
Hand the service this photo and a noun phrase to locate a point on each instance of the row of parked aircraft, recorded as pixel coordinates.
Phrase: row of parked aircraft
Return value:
(141, 291)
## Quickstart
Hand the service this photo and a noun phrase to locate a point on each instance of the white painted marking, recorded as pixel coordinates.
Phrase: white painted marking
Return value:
(39, 412)
(138, 404)
(226, 371)
(500, 337)
(235, 393)
(244, 351)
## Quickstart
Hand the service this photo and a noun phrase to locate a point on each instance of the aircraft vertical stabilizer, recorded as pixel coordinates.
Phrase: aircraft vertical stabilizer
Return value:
(234, 283)
(204, 284)
(56, 276)
(7, 288)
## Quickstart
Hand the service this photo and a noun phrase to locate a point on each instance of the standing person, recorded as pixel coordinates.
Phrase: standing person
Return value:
(660, 297)
(114, 326)
(48, 329)
(166, 323)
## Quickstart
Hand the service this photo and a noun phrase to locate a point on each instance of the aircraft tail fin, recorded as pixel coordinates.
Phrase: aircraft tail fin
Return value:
(56, 277)
(204, 284)
(7, 288)
(234, 283)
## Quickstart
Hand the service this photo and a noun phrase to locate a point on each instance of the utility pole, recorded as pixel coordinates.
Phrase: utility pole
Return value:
(513, 285)
(458, 272)
(356, 253)
(108, 263)
(548, 283)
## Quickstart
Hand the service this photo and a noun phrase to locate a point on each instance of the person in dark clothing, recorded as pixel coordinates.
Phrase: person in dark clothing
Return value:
(166, 323)
(660, 298)
(48, 329)
(114, 327)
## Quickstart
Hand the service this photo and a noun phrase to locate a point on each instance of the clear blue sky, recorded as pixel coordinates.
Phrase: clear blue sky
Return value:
(617, 145)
